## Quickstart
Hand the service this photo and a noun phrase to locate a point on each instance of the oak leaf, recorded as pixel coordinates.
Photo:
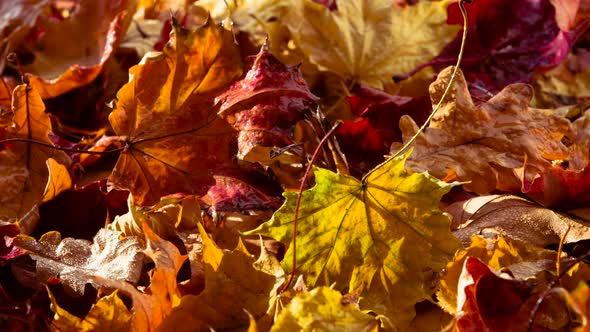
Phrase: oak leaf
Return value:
(77, 262)
(108, 314)
(565, 184)
(233, 282)
(485, 144)
(175, 140)
(379, 234)
(369, 41)
(23, 167)
(323, 309)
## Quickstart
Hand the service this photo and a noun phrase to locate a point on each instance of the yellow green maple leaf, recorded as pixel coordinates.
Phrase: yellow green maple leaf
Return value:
(378, 235)
(108, 314)
(323, 309)
(369, 40)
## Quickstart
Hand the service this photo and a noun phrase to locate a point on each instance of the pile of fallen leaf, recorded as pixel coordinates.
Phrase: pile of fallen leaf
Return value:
(152, 152)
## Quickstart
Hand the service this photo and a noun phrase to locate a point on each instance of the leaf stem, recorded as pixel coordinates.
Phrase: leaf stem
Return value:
(448, 88)
(26, 140)
(298, 203)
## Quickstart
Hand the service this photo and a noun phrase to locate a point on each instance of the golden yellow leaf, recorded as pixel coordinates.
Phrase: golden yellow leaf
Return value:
(565, 84)
(232, 283)
(368, 41)
(58, 180)
(579, 299)
(108, 314)
(323, 309)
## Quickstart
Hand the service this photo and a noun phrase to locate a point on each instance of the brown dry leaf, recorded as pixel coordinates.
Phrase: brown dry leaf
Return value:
(108, 314)
(76, 262)
(17, 18)
(71, 52)
(23, 170)
(522, 259)
(368, 41)
(153, 305)
(514, 217)
(166, 116)
(233, 283)
(485, 144)
(59, 179)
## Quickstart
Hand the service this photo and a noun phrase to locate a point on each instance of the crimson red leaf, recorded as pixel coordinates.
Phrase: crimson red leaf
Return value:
(266, 104)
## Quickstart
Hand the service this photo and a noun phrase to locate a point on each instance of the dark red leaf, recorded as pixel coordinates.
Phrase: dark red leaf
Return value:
(266, 104)
(507, 41)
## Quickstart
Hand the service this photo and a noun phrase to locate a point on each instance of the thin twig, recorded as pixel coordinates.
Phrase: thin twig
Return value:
(298, 203)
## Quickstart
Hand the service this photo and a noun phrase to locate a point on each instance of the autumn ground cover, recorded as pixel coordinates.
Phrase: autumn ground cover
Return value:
(260, 165)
